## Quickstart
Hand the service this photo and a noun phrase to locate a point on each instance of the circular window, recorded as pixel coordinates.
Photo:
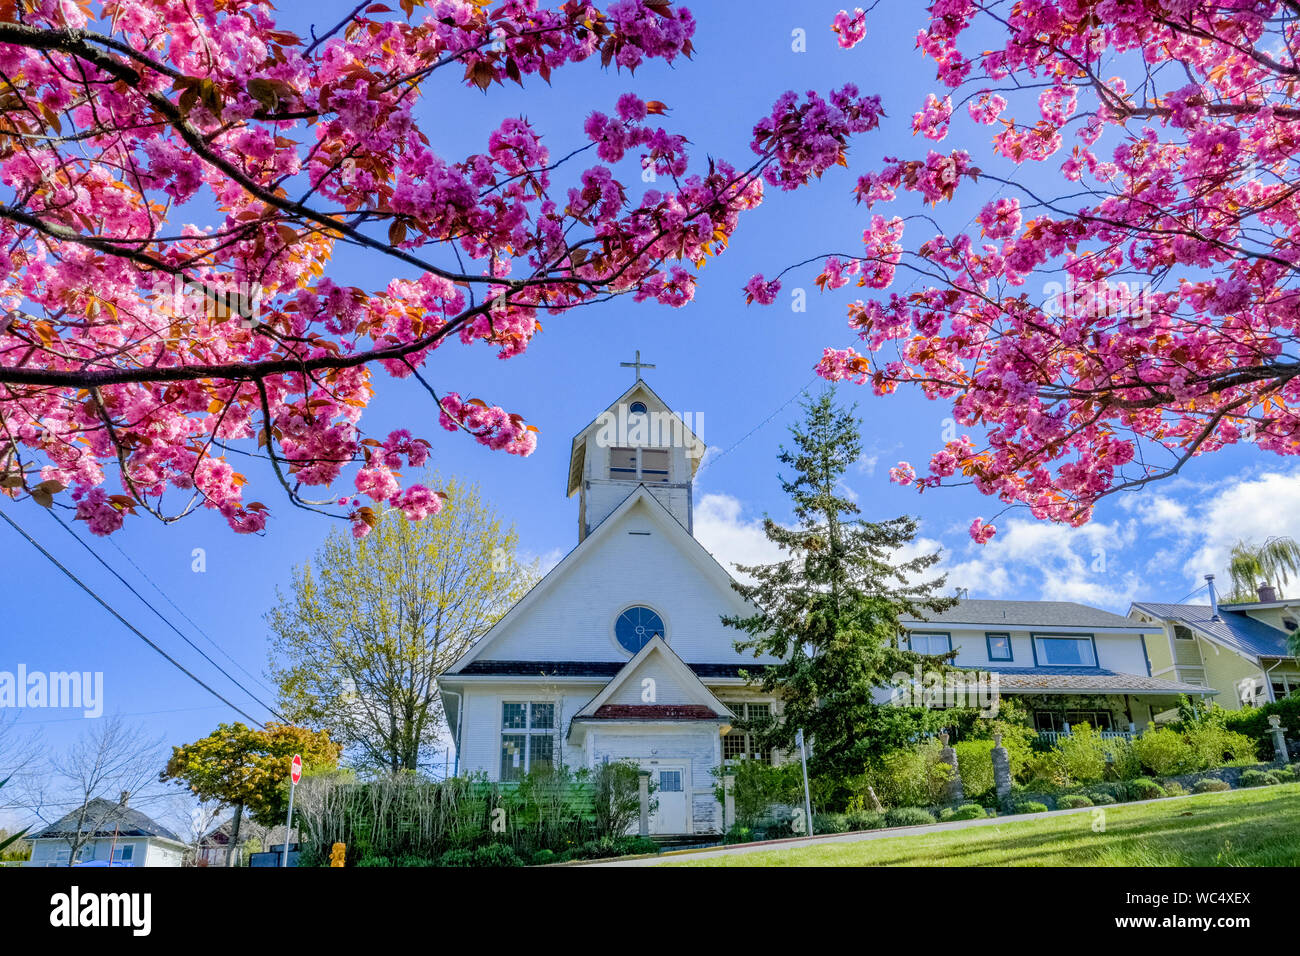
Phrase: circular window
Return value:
(636, 627)
(637, 408)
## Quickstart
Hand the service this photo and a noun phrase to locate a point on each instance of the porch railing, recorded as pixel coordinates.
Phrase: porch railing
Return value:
(1052, 736)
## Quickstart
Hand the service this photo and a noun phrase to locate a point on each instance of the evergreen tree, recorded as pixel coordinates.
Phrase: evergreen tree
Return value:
(830, 610)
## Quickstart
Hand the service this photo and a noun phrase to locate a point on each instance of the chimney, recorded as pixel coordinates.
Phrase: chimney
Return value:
(1267, 593)
(1214, 597)
(123, 798)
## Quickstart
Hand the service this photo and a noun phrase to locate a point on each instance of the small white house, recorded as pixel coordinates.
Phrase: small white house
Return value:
(116, 833)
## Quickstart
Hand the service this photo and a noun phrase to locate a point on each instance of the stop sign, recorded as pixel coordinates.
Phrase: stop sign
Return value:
(295, 769)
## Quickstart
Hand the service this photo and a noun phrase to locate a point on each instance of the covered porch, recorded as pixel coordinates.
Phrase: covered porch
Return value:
(1119, 706)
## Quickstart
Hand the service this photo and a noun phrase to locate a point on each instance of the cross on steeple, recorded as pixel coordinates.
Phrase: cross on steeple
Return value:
(638, 365)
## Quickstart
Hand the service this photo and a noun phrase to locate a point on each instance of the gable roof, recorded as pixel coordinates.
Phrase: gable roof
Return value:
(1235, 631)
(692, 548)
(578, 454)
(700, 695)
(104, 818)
(1035, 614)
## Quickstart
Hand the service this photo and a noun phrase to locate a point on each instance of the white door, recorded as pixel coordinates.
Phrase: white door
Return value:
(670, 790)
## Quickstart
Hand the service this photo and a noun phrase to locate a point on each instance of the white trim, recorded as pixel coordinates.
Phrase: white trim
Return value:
(691, 682)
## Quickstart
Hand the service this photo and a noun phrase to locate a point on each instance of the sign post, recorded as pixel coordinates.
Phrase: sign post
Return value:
(803, 759)
(295, 774)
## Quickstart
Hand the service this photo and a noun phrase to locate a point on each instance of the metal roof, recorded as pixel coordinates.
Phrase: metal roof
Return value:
(1034, 614)
(1236, 631)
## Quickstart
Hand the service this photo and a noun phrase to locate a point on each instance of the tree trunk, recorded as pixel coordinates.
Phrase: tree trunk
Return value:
(232, 850)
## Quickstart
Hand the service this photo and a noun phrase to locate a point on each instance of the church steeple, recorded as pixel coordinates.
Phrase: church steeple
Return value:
(638, 440)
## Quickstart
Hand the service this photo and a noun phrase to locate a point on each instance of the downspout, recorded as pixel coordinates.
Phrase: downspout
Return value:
(1268, 684)
(456, 735)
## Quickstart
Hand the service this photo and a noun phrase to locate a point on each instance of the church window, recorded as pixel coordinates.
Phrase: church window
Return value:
(636, 627)
(637, 408)
(742, 744)
(639, 464)
(527, 738)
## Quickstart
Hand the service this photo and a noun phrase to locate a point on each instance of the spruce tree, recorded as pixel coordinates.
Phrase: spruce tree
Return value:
(830, 610)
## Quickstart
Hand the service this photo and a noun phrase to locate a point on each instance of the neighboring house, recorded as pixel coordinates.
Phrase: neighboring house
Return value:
(1066, 663)
(1239, 650)
(117, 833)
(619, 651)
(214, 845)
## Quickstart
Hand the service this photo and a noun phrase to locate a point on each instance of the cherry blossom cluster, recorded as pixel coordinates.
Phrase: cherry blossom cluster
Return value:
(1176, 177)
(200, 147)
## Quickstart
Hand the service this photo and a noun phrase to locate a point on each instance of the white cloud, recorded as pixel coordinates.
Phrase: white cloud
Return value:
(1250, 509)
(1051, 562)
(729, 536)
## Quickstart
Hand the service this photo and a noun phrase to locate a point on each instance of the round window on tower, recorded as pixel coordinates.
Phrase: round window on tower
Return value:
(637, 408)
(636, 627)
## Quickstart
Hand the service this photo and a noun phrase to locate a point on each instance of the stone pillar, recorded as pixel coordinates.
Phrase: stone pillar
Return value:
(1280, 755)
(643, 787)
(1001, 772)
(952, 793)
(728, 802)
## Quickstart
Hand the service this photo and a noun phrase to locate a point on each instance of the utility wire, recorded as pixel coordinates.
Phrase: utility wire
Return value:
(179, 610)
(127, 624)
(159, 614)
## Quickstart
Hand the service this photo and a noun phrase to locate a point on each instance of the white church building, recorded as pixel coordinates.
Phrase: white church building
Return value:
(619, 652)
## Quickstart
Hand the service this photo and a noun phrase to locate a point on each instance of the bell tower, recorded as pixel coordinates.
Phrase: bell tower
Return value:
(638, 441)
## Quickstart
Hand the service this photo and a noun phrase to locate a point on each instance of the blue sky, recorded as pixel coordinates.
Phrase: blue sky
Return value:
(739, 367)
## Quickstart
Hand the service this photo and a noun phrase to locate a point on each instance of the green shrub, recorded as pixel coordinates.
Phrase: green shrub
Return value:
(1072, 801)
(1253, 722)
(908, 817)
(830, 823)
(1259, 778)
(1045, 772)
(374, 861)
(497, 854)
(1144, 788)
(967, 811)
(1210, 785)
(616, 798)
(1029, 806)
(1124, 762)
(414, 859)
(865, 820)
(975, 762)
(636, 846)
(759, 787)
(912, 776)
(1108, 793)
(543, 857)
(1282, 773)
(1082, 754)
(1174, 789)
(1165, 752)
(457, 857)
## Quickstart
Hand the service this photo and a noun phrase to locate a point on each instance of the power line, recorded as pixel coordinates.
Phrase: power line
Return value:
(159, 614)
(192, 623)
(125, 623)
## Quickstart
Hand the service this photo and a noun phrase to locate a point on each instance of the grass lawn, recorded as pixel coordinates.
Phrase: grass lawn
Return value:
(1255, 827)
